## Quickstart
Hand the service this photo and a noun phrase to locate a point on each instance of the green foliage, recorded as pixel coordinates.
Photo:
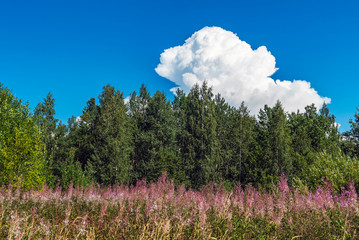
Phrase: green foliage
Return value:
(137, 112)
(70, 171)
(338, 169)
(243, 139)
(66, 166)
(197, 139)
(199, 147)
(350, 140)
(159, 138)
(22, 159)
(110, 161)
(275, 144)
(154, 136)
(44, 117)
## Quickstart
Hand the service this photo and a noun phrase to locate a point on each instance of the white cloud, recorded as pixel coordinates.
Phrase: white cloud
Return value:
(235, 70)
(78, 119)
(127, 99)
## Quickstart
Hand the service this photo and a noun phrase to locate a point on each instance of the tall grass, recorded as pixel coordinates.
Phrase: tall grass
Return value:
(162, 211)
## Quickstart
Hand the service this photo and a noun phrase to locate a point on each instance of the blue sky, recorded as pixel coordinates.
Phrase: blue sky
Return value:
(74, 48)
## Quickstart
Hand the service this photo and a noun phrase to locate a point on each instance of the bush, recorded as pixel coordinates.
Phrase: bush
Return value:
(337, 168)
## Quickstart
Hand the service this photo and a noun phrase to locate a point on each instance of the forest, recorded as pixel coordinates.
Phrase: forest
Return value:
(197, 139)
(192, 168)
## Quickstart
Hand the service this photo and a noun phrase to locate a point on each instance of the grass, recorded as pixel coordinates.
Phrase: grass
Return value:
(162, 211)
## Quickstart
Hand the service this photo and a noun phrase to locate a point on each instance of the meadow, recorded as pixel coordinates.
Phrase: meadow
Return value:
(163, 211)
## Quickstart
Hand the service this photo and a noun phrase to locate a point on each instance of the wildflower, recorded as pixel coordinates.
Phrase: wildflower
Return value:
(45, 228)
(33, 211)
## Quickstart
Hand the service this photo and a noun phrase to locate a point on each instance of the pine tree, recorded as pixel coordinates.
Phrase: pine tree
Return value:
(199, 146)
(159, 138)
(84, 137)
(183, 138)
(354, 125)
(137, 112)
(75, 146)
(350, 140)
(44, 116)
(225, 118)
(274, 140)
(330, 128)
(302, 151)
(243, 139)
(110, 162)
(67, 166)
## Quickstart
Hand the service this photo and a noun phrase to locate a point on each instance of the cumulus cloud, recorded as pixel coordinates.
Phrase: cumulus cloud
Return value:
(235, 70)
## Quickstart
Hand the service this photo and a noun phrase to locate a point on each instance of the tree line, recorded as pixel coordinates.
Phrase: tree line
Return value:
(197, 138)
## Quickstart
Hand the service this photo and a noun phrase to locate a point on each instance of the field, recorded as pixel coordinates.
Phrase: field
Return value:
(163, 211)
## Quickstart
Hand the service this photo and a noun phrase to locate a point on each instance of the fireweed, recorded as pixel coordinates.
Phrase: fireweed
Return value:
(162, 211)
